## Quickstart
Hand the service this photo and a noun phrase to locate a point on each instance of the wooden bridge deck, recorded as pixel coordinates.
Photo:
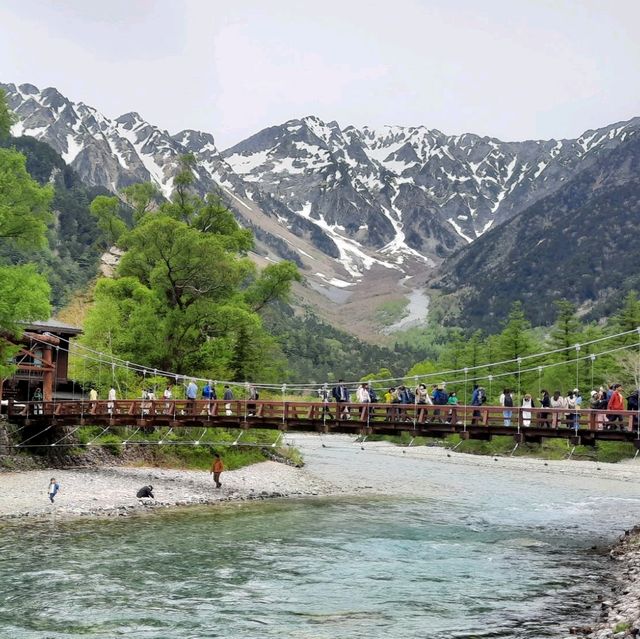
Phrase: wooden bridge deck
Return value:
(471, 422)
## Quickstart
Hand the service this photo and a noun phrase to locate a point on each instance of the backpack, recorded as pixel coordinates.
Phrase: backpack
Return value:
(440, 397)
(482, 398)
(508, 400)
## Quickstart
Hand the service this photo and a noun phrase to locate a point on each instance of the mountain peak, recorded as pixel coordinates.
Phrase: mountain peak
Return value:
(130, 119)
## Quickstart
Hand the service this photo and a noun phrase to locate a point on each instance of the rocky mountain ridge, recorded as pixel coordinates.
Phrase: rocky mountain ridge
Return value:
(366, 213)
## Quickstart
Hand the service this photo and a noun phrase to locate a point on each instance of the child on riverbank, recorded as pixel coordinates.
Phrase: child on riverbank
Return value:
(54, 487)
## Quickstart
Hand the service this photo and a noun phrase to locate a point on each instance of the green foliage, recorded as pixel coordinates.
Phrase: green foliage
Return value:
(273, 283)
(7, 117)
(24, 204)
(179, 450)
(70, 260)
(319, 352)
(142, 198)
(185, 297)
(106, 211)
(24, 293)
(622, 626)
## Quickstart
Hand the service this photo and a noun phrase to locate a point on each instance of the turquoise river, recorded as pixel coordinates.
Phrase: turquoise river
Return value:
(446, 549)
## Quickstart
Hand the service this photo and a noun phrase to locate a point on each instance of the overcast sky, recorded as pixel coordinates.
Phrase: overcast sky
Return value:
(514, 69)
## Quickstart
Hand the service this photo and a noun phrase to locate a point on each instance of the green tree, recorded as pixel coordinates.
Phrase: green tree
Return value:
(24, 293)
(106, 211)
(273, 283)
(7, 118)
(184, 298)
(565, 332)
(142, 198)
(627, 319)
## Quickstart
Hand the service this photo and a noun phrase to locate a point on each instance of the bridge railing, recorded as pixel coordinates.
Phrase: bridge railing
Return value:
(240, 410)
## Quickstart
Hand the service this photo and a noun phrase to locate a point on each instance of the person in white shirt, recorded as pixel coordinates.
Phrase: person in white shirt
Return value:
(111, 405)
(527, 402)
(557, 401)
(363, 397)
(167, 395)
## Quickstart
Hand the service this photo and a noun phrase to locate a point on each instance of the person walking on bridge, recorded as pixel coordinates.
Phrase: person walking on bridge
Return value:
(616, 403)
(227, 397)
(192, 395)
(557, 401)
(363, 397)
(111, 404)
(341, 395)
(209, 393)
(216, 469)
(506, 401)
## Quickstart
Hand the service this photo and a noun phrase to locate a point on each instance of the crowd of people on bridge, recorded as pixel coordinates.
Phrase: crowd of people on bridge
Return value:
(610, 400)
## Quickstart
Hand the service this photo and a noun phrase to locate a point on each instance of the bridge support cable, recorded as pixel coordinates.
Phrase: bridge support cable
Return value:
(137, 368)
(77, 428)
(163, 437)
(464, 419)
(102, 432)
(21, 444)
(130, 437)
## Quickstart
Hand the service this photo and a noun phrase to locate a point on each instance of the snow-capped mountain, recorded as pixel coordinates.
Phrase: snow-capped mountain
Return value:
(401, 178)
(358, 209)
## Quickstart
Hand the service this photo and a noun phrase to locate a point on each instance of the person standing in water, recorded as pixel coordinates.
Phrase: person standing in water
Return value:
(54, 487)
(216, 468)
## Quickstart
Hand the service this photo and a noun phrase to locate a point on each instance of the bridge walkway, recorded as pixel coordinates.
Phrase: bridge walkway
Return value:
(418, 420)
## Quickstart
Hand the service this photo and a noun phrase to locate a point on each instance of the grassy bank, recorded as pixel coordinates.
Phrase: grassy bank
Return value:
(609, 452)
(181, 448)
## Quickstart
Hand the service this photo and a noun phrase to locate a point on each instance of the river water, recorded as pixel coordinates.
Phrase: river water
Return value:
(449, 551)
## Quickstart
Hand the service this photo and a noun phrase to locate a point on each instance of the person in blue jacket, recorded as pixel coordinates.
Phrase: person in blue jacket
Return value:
(54, 487)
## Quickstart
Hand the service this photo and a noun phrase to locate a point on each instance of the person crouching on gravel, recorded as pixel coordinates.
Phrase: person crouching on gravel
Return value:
(216, 468)
(145, 492)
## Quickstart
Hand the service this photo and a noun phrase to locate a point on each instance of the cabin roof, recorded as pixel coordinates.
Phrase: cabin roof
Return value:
(53, 326)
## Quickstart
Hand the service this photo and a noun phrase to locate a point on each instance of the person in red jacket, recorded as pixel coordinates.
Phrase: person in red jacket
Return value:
(615, 403)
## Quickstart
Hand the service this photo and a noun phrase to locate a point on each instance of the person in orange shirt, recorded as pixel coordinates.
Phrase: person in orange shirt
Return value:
(216, 468)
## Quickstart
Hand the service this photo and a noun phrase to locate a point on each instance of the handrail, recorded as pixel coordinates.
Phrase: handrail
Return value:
(300, 411)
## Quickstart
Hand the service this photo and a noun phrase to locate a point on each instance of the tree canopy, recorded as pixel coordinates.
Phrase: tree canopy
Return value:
(185, 296)
(24, 293)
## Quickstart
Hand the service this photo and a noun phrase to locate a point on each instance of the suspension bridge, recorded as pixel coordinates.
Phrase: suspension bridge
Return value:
(529, 425)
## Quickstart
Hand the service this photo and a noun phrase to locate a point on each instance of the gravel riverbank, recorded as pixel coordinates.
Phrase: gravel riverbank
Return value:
(112, 491)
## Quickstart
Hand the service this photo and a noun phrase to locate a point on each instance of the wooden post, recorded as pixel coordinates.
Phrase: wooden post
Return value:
(47, 373)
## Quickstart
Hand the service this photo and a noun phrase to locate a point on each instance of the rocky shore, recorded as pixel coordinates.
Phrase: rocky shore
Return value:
(619, 611)
(111, 492)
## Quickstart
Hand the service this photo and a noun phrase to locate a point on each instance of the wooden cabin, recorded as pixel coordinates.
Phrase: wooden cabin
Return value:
(42, 361)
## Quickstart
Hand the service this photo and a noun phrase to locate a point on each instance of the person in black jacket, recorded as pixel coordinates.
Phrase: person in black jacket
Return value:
(341, 395)
(632, 404)
(145, 491)
(545, 402)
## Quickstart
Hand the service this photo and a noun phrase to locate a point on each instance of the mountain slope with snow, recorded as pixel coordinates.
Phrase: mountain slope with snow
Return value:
(366, 213)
